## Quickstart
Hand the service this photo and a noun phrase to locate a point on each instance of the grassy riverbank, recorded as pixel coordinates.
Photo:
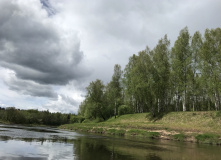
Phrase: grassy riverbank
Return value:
(201, 127)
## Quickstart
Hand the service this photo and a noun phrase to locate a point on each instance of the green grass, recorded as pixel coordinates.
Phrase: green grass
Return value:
(179, 126)
(153, 134)
(179, 137)
(208, 138)
(112, 131)
(98, 130)
(136, 132)
(142, 133)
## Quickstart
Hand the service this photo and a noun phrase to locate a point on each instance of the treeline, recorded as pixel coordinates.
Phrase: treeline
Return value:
(185, 77)
(17, 116)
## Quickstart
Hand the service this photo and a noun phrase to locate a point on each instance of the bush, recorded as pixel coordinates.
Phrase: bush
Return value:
(76, 119)
(87, 121)
(179, 137)
(218, 114)
(124, 109)
(207, 138)
(98, 130)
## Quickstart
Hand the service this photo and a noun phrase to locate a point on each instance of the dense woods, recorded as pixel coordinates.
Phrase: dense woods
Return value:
(17, 116)
(184, 77)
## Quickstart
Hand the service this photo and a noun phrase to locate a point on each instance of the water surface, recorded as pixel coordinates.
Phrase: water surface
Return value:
(40, 143)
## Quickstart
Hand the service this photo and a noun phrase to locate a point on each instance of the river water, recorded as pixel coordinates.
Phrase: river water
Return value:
(40, 143)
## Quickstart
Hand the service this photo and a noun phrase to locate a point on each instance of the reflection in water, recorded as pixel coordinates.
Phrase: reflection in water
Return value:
(94, 148)
(14, 149)
(17, 142)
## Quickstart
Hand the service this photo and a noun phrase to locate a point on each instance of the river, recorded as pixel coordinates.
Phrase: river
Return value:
(43, 143)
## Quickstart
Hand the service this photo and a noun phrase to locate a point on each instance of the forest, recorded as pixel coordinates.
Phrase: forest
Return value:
(183, 77)
(32, 116)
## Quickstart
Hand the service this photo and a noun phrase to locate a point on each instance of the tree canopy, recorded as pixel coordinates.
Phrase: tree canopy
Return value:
(182, 77)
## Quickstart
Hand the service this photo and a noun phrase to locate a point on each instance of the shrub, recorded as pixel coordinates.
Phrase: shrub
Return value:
(124, 109)
(207, 138)
(86, 121)
(98, 130)
(179, 137)
(153, 134)
(218, 114)
(76, 119)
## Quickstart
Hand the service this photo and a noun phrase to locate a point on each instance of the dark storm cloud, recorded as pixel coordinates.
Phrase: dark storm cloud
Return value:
(35, 48)
(30, 88)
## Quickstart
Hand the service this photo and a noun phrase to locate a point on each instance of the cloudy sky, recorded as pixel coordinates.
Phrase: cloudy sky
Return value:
(51, 49)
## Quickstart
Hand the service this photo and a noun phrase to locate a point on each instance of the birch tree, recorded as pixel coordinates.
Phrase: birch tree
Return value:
(196, 45)
(211, 64)
(161, 63)
(181, 63)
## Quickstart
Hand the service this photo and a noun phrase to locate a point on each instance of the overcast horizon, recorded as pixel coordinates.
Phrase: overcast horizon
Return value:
(50, 50)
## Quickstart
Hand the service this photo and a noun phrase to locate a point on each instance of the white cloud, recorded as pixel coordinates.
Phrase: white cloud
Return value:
(62, 105)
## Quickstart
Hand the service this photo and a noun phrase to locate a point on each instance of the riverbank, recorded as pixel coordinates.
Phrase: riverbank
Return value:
(200, 127)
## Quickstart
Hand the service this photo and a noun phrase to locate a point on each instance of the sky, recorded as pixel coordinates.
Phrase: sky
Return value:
(50, 50)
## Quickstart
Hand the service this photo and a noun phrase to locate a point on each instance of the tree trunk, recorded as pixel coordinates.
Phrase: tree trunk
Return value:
(196, 104)
(184, 101)
(216, 102)
(151, 104)
(115, 109)
(177, 102)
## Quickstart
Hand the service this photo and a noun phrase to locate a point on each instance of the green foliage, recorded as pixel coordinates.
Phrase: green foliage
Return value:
(181, 66)
(124, 109)
(153, 134)
(179, 137)
(16, 116)
(87, 121)
(218, 114)
(101, 102)
(114, 97)
(136, 132)
(76, 119)
(210, 65)
(98, 130)
(94, 105)
(185, 77)
(139, 80)
(120, 132)
(207, 138)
